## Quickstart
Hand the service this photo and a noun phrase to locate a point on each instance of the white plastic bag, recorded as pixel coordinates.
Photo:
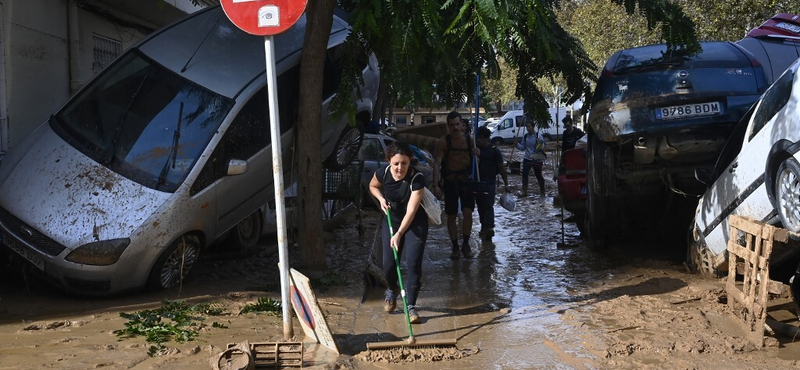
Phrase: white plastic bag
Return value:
(432, 207)
(508, 201)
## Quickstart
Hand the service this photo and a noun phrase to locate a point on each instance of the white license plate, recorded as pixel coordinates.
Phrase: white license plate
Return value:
(23, 251)
(788, 26)
(689, 110)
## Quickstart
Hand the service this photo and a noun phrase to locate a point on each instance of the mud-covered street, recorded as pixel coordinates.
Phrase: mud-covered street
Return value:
(534, 298)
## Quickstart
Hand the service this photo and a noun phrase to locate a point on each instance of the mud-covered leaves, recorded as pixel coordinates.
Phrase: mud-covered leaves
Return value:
(173, 321)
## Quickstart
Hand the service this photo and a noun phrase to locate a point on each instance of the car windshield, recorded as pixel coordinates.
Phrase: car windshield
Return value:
(143, 122)
(714, 55)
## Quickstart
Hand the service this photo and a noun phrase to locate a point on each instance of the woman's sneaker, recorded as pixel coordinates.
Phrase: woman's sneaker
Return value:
(413, 316)
(391, 301)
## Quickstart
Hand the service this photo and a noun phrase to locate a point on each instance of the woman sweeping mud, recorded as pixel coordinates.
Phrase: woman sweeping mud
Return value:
(399, 192)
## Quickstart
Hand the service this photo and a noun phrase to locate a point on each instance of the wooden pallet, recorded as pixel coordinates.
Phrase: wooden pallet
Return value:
(748, 299)
(275, 355)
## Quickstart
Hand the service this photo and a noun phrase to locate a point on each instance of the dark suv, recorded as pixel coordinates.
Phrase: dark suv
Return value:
(655, 118)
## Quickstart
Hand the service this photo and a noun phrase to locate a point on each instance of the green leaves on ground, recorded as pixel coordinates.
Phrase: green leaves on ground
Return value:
(264, 304)
(175, 320)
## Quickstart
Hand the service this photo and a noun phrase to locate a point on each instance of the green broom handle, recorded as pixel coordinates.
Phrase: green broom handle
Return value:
(399, 276)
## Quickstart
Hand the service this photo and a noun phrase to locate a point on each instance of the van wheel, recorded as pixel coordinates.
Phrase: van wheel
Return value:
(346, 148)
(246, 234)
(175, 263)
(787, 194)
(497, 141)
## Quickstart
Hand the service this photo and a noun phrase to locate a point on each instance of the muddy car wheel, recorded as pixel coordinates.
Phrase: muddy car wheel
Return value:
(246, 234)
(598, 177)
(601, 166)
(596, 219)
(787, 194)
(347, 147)
(698, 256)
(175, 263)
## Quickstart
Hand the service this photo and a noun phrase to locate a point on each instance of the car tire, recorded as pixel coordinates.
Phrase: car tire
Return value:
(497, 141)
(247, 233)
(787, 194)
(347, 147)
(174, 264)
(600, 183)
(601, 165)
(698, 257)
(596, 218)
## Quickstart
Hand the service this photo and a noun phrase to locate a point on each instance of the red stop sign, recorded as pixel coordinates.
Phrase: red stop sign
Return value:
(264, 17)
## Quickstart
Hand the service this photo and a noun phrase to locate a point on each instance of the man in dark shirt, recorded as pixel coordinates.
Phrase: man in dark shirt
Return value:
(568, 139)
(490, 164)
(571, 135)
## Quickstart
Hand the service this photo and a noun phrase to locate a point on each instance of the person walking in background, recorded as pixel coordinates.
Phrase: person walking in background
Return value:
(453, 156)
(399, 192)
(534, 149)
(490, 164)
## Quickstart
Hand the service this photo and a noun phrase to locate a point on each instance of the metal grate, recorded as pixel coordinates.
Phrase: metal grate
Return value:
(342, 189)
(344, 184)
(28, 234)
(104, 52)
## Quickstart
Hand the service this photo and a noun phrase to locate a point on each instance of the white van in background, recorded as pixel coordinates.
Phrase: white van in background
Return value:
(506, 129)
(512, 124)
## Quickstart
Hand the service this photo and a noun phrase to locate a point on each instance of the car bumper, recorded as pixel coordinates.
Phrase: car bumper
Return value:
(572, 190)
(73, 277)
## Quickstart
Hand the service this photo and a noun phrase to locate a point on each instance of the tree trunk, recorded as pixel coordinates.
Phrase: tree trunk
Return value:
(319, 15)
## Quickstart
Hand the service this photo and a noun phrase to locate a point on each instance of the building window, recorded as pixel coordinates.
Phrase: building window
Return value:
(104, 52)
(400, 120)
(428, 119)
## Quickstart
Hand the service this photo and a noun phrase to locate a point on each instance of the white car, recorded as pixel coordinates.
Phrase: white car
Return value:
(757, 176)
(165, 152)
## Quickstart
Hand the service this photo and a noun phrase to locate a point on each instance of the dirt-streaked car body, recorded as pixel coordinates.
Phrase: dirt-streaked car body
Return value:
(163, 153)
(756, 176)
(656, 117)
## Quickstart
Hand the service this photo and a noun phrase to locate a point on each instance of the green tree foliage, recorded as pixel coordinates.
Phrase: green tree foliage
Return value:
(430, 50)
(604, 27)
(500, 89)
(731, 19)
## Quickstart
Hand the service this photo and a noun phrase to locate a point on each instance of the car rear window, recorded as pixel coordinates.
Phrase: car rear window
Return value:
(714, 55)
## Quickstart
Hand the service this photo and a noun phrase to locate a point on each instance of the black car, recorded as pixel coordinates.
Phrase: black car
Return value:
(656, 116)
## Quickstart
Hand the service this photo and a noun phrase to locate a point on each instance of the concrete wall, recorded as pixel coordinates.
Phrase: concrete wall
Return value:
(40, 74)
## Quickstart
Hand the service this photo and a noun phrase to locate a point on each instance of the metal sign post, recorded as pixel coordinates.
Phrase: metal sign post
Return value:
(267, 18)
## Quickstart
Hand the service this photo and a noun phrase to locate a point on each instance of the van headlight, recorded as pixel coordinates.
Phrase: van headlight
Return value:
(102, 253)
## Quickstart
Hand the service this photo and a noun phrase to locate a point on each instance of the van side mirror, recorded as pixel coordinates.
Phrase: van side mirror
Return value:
(703, 175)
(236, 167)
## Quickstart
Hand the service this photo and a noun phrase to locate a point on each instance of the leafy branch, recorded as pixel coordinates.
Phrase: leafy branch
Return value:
(175, 320)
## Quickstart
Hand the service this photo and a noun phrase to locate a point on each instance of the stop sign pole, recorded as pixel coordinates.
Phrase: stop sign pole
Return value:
(267, 18)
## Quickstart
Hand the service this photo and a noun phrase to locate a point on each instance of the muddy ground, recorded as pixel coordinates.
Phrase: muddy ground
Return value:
(532, 299)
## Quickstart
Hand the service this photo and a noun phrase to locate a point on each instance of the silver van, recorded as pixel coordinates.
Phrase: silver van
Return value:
(164, 153)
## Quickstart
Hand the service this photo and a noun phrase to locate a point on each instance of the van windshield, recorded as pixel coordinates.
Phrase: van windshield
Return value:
(142, 121)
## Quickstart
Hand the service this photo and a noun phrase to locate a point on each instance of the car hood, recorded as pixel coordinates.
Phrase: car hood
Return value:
(54, 188)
